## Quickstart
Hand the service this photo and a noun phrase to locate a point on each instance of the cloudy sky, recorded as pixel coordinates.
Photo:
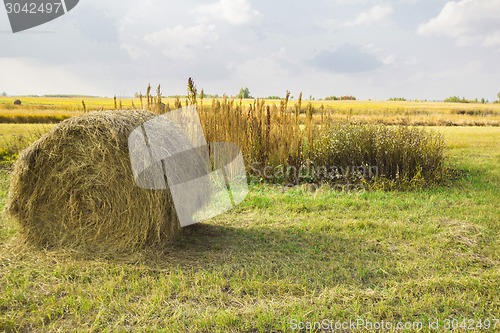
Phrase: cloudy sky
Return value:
(418, 49)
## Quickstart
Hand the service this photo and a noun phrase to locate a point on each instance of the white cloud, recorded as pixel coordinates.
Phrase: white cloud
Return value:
(328, 24)
(31, 76)
(370, 48)
(470, 22)
(376, 14)
(235, 12)
(389, 60)
(492, 39)
(227, 44)
(183, 42)
(346, 59)
(134, 51)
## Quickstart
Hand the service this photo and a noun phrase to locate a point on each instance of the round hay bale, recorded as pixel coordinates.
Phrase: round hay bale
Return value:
(74, 188)
(17, 102)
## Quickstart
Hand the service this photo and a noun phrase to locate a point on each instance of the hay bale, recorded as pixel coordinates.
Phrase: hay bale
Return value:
(74, 188)
(17, 102)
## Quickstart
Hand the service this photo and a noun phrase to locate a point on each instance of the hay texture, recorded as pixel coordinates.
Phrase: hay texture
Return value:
(74, 188)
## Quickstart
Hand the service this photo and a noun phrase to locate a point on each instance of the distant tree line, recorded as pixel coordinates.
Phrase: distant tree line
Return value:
(456, 99)
(340, 98)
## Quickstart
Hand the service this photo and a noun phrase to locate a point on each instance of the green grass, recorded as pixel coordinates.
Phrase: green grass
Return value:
(285, 255)
(15, 137)
(8, 132)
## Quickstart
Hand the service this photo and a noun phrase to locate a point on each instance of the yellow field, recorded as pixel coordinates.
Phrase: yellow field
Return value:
(54, 109)
(483, 139)
(9, 132)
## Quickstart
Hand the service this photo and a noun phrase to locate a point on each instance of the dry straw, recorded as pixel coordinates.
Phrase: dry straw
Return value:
(74, 188)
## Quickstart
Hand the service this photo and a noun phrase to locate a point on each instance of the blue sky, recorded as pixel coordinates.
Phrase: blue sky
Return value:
(417, 49)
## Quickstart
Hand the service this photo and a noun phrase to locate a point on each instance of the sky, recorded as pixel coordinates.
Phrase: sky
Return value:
(371, 49)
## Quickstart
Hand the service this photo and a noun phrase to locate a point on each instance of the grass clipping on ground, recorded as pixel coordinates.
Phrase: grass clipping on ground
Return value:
(74, 188)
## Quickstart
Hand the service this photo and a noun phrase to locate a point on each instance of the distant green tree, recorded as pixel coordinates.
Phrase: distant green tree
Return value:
(340, 98)
(498, 95)
(244, 93)
(456, 99)
(5, 94)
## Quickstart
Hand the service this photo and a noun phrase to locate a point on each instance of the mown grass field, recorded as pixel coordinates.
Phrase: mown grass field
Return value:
(286, 257)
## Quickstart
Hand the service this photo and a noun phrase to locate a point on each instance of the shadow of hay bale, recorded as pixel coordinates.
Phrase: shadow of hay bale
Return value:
(74, 188)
